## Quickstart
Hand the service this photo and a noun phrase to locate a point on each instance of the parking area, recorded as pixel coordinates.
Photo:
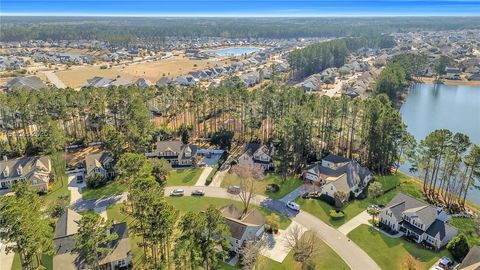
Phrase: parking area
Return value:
(277, 246)
(76, 182)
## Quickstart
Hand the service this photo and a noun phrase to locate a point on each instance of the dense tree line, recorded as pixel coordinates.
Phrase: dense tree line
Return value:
(398, 73)
(320, 56)
(126, 30)
(450, 165)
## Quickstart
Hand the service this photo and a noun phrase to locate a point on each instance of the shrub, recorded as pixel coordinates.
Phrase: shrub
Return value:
(273, 187)
(103, 67)
(95, 180)
(458, 247)
(336, 214)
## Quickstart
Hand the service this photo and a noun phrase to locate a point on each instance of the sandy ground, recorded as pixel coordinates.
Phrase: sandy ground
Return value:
(451, 82)
(76, 76)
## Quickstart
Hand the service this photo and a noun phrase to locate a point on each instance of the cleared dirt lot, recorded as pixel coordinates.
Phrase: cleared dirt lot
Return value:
(171, 67)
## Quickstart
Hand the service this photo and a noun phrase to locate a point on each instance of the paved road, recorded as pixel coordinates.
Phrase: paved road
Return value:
(353, 255)
(6, 260)
(53, 78)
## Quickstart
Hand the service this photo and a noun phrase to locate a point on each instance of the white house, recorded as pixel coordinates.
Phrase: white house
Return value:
(419, 220)
(100, 163)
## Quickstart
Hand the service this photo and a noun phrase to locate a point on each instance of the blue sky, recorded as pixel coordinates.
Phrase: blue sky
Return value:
(240, 8)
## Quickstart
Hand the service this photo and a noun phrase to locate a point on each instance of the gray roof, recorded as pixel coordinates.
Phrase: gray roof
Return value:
(472, 260)
(67, 224)
(177, 147)
(24, 167)
(336, 159)
(25, 83)
(352, 174)
(65, 258)
(143, 83)
(96, 160)
(238, 224)
(164, 81)
(439, 229)
(402, 202)
(98, 82)
(121, 82)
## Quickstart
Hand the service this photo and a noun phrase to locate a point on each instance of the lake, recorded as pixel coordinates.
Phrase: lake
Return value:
(235, 51)
(435, 106)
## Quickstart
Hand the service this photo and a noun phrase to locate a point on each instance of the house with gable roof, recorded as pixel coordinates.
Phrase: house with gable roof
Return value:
(420, 221)
(257, 155)
(100, 163)
(175, 152)
(35, 169)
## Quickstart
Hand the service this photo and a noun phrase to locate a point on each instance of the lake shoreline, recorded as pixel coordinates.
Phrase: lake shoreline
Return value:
(429, 80)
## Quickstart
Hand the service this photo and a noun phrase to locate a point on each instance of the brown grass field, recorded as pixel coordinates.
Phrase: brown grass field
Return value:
(171, 67)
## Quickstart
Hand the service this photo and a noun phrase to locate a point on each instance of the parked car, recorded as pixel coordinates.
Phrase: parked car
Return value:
(293, 206)
(79, 178)
(177, 192)
(233, 189)
(445, 262)
(373, 207)
(198, 192)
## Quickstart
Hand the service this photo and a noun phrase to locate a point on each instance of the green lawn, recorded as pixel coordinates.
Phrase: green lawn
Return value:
(47, 261)
(195, 204)
(469, 228)
(59, 188)
(187, 177)
(324, 258)
(110, 189)
(390, 253)
(285, 187)
(321, 209)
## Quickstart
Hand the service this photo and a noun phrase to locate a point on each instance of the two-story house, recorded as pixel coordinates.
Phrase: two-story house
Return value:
(258, 156)
(472, 260)
(35, 169)
(100, 163)
(175, 152)
(65, 258)
(419, 220)
(243, 227)
(336, 173)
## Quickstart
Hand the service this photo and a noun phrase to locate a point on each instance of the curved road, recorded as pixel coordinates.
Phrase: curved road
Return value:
(353, 255)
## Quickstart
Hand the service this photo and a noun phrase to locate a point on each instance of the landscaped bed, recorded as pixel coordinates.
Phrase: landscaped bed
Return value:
(391, 253)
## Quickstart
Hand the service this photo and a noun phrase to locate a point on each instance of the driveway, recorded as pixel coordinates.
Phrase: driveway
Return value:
(295, 193)
(74, 187)
(218, 177)
(202, 179)
(353, 223)
(6, 260)
(277, 246)
(353, 255)
(53, 78)
(97, 205)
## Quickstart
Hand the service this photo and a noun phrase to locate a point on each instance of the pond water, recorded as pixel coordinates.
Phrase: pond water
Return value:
(235, 51)
(435, 106)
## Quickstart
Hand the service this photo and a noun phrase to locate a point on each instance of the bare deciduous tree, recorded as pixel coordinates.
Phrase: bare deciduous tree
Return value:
(250, 252)
(248, 184)
(303, 243)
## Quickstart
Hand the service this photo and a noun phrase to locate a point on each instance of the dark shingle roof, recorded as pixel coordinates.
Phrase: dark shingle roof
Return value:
(25, 83)
(402, 202)
(95, 160)
(336, 159)
(438, 229)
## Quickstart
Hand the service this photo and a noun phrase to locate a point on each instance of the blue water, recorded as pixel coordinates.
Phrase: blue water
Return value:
(430, 107)
(235, 51)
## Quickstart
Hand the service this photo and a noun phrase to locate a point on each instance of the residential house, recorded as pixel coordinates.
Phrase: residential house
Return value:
(35, 169)
(164, 81)
(120, 82)
(420, 221)
(258, 156)
(65, 258)
(143, 83)
(452, 73)
(337, 173)
(249, 226)
(472, 260)
(25, 83)
(98, 82)
(100, 163)
(175, 152)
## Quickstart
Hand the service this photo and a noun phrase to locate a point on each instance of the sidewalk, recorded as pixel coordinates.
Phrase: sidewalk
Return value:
(353, 223)
(6, 260)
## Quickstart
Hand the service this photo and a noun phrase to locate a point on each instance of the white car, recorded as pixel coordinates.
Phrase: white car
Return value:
(177, 192)
(293, 206)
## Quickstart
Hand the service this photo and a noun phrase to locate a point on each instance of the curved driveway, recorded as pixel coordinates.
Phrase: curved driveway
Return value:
(353, 255)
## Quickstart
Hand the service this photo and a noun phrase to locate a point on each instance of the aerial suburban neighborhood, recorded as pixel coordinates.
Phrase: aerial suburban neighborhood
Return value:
(250, 142)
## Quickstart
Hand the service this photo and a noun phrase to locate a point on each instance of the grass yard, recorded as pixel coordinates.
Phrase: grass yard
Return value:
(390, 253)
(321, 209)
(196, 204)
(110, 189)
(47, 262)
(187, 177)
(469, 228)
(59, 188)
(288, 186)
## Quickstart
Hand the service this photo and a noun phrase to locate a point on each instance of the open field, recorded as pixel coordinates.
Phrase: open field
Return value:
(76, 76)
(390, 253)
